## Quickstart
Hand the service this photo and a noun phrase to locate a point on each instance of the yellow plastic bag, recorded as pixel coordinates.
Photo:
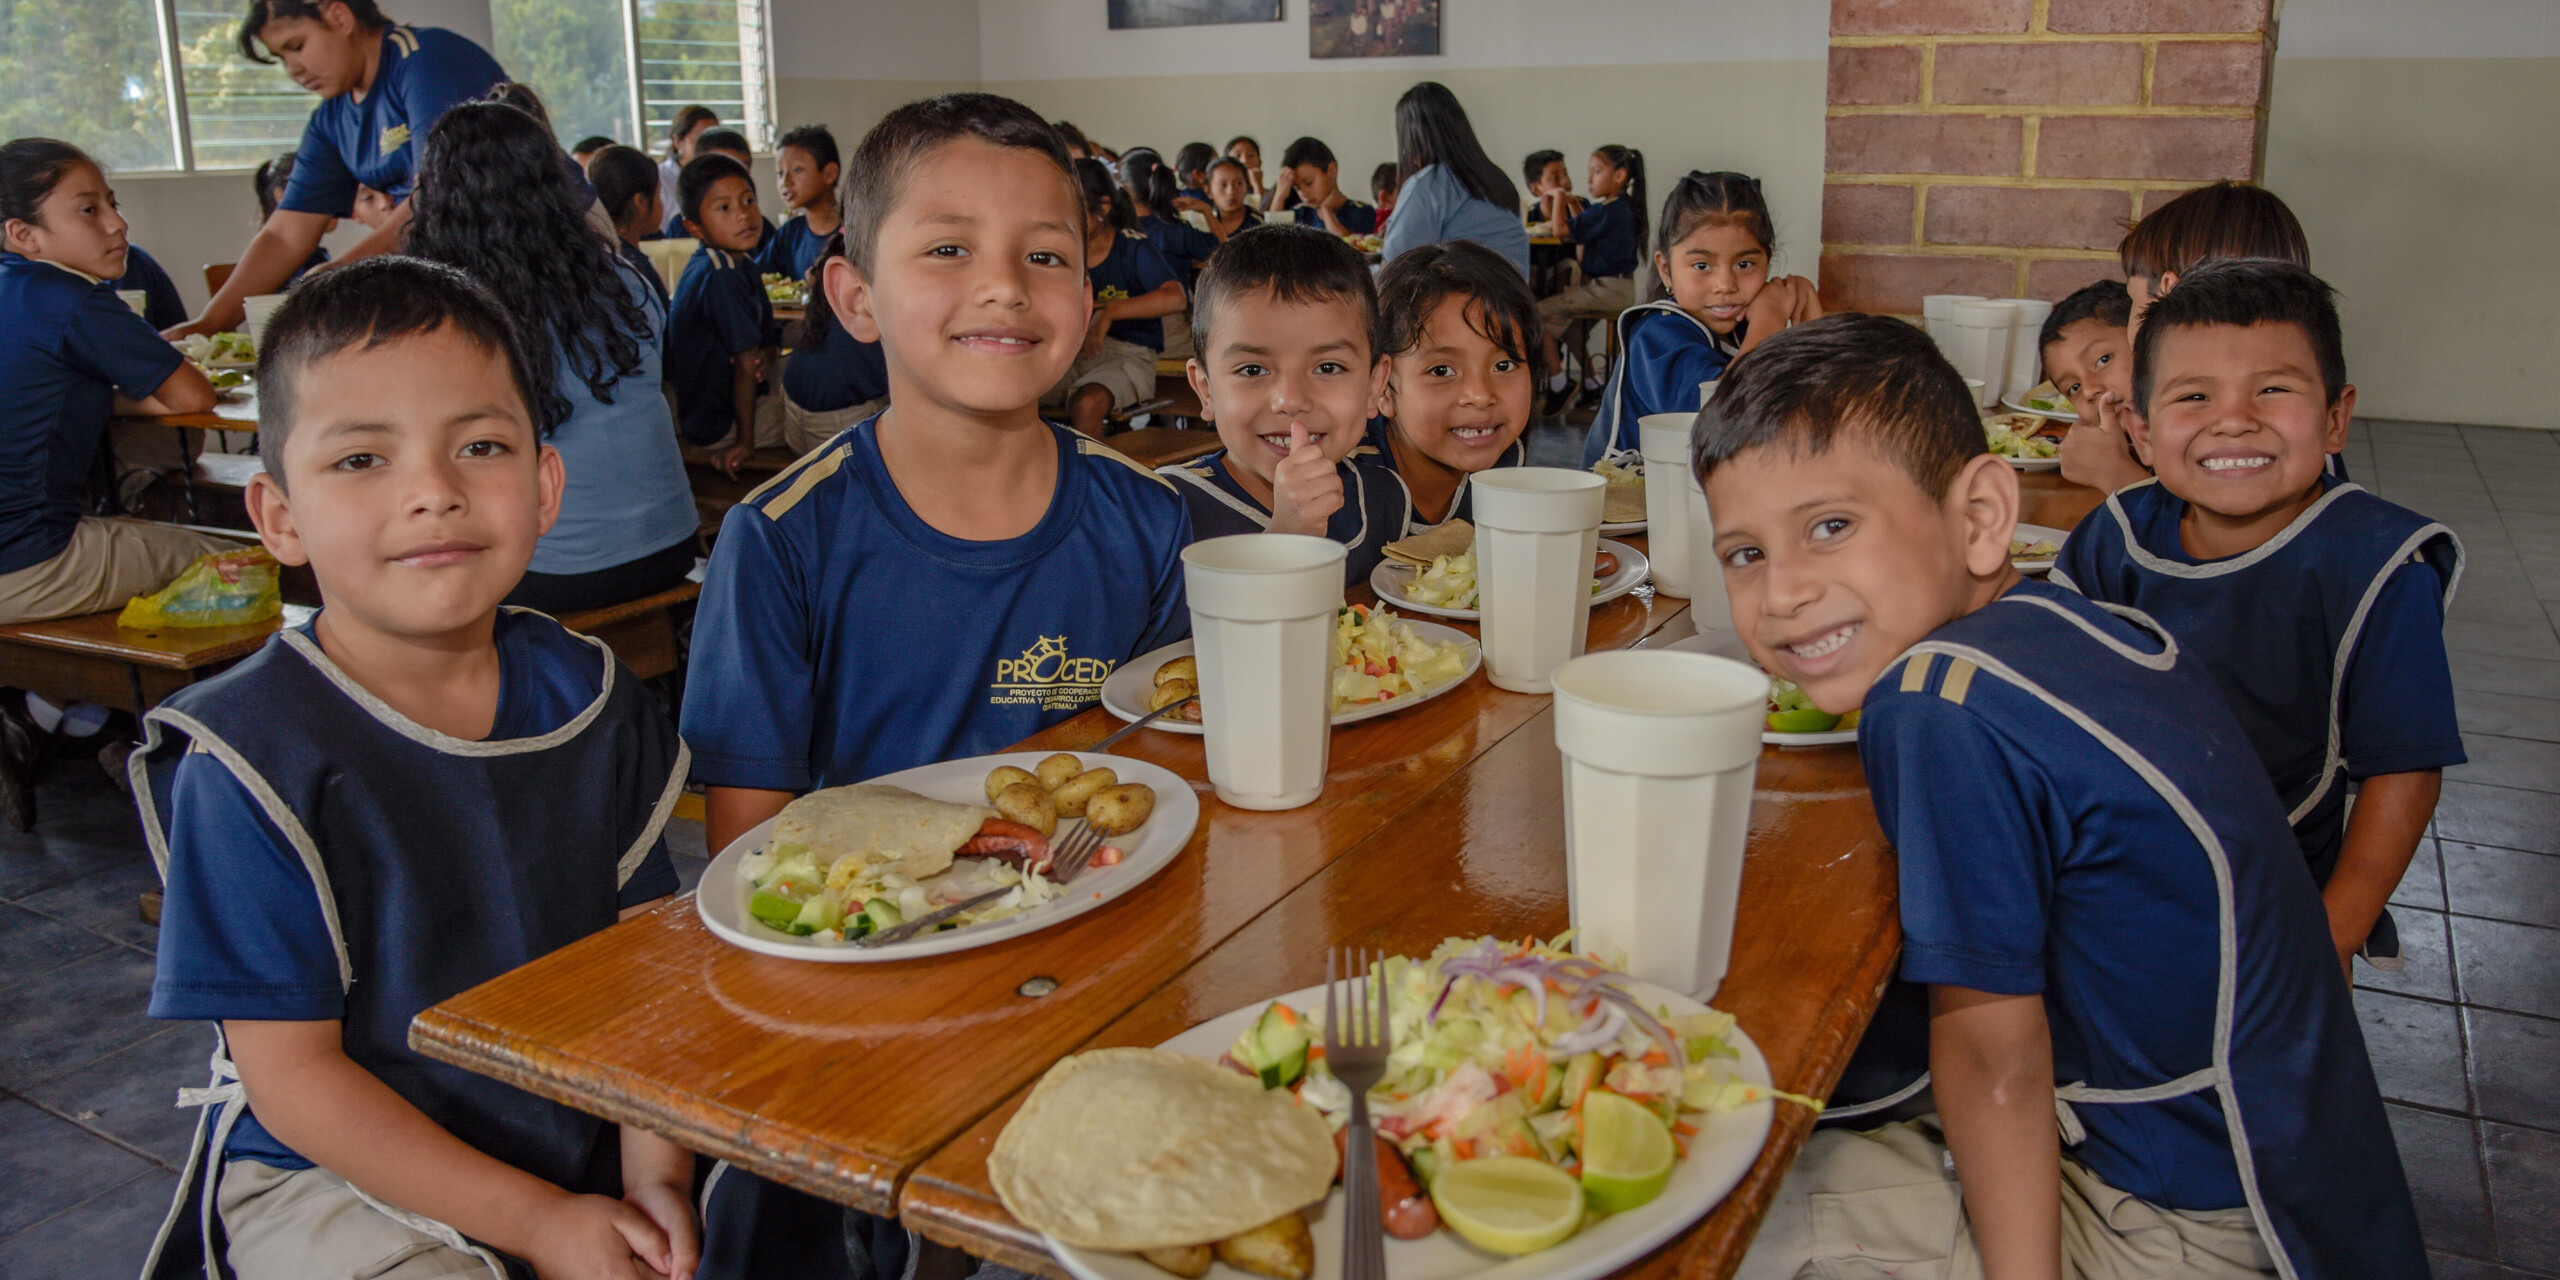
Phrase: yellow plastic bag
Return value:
(222, 589)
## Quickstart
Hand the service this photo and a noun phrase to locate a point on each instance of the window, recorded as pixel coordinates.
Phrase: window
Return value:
(178, 95)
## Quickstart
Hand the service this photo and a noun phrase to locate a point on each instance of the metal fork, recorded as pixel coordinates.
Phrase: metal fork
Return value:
(1068, 862)
(1355, 1050)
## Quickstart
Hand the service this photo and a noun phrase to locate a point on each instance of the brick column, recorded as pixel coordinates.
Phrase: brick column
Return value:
(1999, 147)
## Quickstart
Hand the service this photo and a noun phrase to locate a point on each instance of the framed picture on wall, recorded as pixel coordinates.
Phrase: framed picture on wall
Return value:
(1373, 28)
(1189, 13)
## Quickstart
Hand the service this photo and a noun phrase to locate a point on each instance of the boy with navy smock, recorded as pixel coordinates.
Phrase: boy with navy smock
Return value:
(720, 329)
(1316, 176)
(456, 790)
(2317, 606)
(1286, 373)
(2145, 1061)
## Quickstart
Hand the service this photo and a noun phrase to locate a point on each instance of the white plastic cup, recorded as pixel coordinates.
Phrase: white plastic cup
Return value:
(1262, 622)
(1664, 438)
(1660, 749)
(1537, 531)
(136, 299)
(1707, 391)
(1709, 606)
(256, 309)
(1978, 342)
(1933, 313)
(2025, 357)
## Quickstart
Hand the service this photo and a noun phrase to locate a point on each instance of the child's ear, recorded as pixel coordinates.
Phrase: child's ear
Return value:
(20, 235)
(1662, 270)
(850, 295)
(1985, 494)
(1379, 371)
(551, 476)
(2340, 414)
(272, 516)
(1200, 387)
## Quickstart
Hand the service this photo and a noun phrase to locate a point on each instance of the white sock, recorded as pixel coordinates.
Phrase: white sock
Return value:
(1556, 382)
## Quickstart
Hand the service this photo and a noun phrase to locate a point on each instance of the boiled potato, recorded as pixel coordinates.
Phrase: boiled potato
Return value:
(1281, 1248)
(1185, 667)
(1072, 794)
(1119, 810)
(1190, 1261)
(1006, 776)
(1058, 768)
(1172, 691)
(1030, 805)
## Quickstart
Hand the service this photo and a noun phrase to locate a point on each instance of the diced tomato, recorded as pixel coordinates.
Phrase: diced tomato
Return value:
(1108, 856)
(1465, 1147)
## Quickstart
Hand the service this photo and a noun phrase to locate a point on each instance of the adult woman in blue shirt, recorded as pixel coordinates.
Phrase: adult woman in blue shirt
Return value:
(382, 87)
(1452, 190)
(491, 185)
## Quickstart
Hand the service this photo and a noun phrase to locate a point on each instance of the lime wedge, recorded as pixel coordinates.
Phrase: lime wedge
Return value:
(1508, 1204)
(1626, 1153)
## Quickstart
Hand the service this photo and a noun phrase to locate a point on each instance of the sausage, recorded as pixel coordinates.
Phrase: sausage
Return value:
(1403, 1206)
(1606, 565)
(1007, 841)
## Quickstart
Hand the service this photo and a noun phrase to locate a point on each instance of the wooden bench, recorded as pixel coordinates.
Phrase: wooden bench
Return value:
(1173, 404)
(1154, 447)
(641, 632)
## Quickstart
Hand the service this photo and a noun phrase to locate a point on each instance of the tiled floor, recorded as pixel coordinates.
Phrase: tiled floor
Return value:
(2466, 1042)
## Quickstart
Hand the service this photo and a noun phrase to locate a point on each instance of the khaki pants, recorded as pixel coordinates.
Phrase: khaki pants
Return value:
(109, 561)
(1177, 337)
(1885, 1203)
(1125, 369)
(307, 1224)
(806, 429)
(1600, 299)
(768, 424)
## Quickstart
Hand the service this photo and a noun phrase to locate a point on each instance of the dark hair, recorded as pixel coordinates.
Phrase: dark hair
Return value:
(1382, 180)
(1498, 302)
(1073, 138)
(2104, 301)
(2242, 292)
(30, 168)
(621, 175)
(274, 176)
(1431, 128)
(1228, 161)
(1631, 160)
(591, 144)
(365, 304)
(1193, 158)
(815, 141)
(693, 181)
(1537, 163)
(1714, 199)
(1100, 193)
(2217, 220)
(725, 141)
(1874, 377)
(1294, 264)
(905, 137)
(368, 15)
(522, 97)
(1244, 138)
(490, 185)
(1149, 181)
(686, 121)
(1307, 151)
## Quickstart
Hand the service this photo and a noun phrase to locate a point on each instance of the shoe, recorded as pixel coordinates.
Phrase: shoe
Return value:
(21, 744)
(1555, 400)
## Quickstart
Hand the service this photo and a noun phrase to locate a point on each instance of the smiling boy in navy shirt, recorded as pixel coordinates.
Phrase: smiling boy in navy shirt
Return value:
(2104, 901)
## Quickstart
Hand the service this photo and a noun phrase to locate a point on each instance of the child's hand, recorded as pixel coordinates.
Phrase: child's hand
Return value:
(757, 362)
(668, 1207)
(594, 1238)
(1804, 302)
(2098, 450)
(1188, 204)
(1771, 310)
(1306, 488)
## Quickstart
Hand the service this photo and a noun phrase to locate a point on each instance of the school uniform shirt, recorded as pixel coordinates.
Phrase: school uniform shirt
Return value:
(2328, 641)
(161, 304)
(1195, 193)
(1433, 207)
(792, 248)
(1375, 508)
(1357, 218)
(1668, 353)
(1133, 269)
(1183, 246)
(348, 864)
(840, 637)
(2071, 806)
(721, 312)
(627, 495)
(637, 257)
(1606, 230)
(836, 370)
(1462, 502)
(68, 344)
(372, 140)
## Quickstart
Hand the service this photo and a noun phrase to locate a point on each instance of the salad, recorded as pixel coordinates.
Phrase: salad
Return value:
(225, 348)
(1450, 582)
(2013, 441)
(1378, 657)
(2038, 549)
(1790, 711)
(785, 289)
(855, 897)
(2046, 398)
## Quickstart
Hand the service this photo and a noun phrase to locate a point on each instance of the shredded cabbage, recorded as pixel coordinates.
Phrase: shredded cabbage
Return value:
(1378, 656)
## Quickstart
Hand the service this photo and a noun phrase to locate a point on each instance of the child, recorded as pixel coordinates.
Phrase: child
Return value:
(1460, 334)
(1550, 187)
(587, 148)
(835, 379)
(1191, 169)
(1309, 167)
(732, 144)
(1247, 154)
(272, 177)
(720, 337)
(1133, 289)
(1383, 185)
(683, 132)
(1286, 373)
(2083, 344)
(2319, 607)
(1712, 255)
(805, 166)
(1607, 236)
(626, 184)
(1230, 206)
(2107, 915)
(1146, 182)
(441, 752)
(71, 355)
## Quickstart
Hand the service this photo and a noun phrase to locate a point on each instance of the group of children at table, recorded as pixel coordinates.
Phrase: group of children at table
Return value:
(2115, 797)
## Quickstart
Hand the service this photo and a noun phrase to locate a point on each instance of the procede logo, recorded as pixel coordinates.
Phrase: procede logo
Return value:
(1048, 675)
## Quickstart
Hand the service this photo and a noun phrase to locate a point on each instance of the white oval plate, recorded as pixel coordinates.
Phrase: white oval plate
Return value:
(1390, 579)
(1718, 1157)
(1726, 644)
(722, 896)
(2039, 533)
(2034, 464)
(2016, 405)
(1125, 693)
(1622, 527)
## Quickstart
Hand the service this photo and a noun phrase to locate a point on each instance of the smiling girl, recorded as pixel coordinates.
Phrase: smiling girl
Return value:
(1460, 332)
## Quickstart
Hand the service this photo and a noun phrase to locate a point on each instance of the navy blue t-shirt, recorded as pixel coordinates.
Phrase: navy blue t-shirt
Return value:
(242, 934)
(1606, 230)
(1357, 218)
(1375, 507)
(373, 141)
(67, 345)
(836, 370)
(676, 230)
(1184, 246)
(1133, 270)
(161, 304)
(840, 637)
(721, 312)
(791, 249)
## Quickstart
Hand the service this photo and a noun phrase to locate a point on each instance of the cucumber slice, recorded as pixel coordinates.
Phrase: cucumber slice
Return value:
(780, 903)
(883, 914)
(1276, 1047)
(824, 910)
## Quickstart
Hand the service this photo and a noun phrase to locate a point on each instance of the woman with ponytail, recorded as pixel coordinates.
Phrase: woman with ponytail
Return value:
(1608, 237)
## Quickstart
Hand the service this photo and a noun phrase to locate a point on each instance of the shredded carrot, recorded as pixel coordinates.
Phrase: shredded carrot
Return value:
(1685, 1129)
(1655, 1058)
(1681, 1144)
(1465, 1147)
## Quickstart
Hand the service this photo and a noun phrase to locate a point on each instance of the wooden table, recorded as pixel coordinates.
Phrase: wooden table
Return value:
(237, 410)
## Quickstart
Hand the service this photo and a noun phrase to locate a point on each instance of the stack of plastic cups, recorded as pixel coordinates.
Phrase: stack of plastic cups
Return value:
(1537, 532)
(1262, 623)
(1934, 317)
(1664, 438)
(1660, 749)
(1709, 608)
(2025, 357)
(137, 299)
(1978, 343)
(255, 309)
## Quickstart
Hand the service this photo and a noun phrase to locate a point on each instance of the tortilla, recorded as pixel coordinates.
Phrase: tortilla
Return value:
(1129, 1149)
(888, 826)
(1623, 504)
(1449, 538)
